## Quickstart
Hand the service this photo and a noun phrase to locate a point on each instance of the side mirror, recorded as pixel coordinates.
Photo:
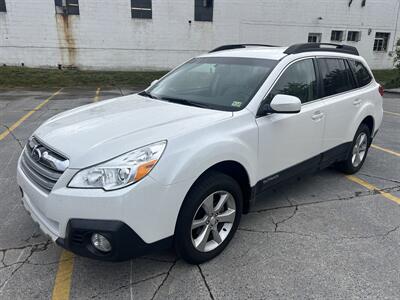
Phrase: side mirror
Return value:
(283, 104)
(153, 82)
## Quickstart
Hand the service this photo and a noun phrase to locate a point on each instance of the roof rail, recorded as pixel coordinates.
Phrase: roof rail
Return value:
(238, 46)
(311, 47)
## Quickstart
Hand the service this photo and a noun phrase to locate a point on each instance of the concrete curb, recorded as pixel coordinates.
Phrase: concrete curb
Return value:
(393, 91)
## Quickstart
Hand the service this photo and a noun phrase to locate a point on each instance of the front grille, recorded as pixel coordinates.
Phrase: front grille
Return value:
(42, 165)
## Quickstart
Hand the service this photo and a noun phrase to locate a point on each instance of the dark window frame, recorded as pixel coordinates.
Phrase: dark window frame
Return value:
(334, 33)
(141, 9)
(383, 46)
(204, 10)
(3, 6)
(71, 7)
(356, 36)
(316, 35)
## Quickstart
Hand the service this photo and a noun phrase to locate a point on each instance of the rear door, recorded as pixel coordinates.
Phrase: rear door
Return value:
(342, 103)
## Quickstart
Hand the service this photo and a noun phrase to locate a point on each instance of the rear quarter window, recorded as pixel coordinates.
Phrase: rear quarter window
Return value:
(360, 72)
(336, 76)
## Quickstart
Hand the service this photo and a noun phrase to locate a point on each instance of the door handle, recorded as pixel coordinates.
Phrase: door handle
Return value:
(317, 116)
(357, 102)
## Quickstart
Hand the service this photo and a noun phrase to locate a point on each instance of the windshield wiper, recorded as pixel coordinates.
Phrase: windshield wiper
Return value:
(147, 94)
(185, 102)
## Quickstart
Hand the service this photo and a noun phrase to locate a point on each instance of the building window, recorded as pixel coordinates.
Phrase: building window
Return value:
(203, 10)
(141, 9)
(354, 36)
(67, 7)
(381, 41)
(337, 35)
(314, 37)
(3, 7)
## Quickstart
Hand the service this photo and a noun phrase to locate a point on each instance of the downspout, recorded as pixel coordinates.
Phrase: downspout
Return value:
(395, 29)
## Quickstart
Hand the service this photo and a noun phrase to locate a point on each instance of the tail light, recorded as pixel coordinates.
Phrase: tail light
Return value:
(381, 90)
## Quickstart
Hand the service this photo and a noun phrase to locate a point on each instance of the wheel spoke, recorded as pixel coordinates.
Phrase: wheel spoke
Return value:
(357, 160)
(208, 204)
(201, 240)
(221, 202)
(361, 141)
(216, 236)
(355, 148)
(199, 223)
(227, 216)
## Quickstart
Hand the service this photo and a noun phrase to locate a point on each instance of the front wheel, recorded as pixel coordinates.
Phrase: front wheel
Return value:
(208, 218)
(358, 153)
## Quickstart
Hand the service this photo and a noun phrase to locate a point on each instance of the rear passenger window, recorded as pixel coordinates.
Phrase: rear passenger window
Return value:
(336, 76)
(298, 80)
(360, 71)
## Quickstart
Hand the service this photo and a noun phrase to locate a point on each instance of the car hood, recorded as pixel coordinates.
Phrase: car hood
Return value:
(97, 132)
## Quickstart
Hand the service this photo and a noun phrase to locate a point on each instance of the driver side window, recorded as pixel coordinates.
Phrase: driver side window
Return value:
(298, 80)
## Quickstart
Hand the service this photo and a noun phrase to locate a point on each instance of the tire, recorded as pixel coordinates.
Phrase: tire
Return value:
(352, 165)
(216, 188)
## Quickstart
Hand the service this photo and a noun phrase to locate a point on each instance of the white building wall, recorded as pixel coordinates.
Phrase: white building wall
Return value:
(104, 36)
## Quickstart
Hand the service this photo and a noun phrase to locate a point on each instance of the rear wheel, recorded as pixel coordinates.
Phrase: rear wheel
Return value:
(358, 153)
(208, 218)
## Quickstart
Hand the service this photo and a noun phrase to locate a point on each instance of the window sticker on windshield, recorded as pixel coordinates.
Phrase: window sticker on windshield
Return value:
(236, 103)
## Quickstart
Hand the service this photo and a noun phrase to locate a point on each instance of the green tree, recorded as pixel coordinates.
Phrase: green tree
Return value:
(397, 55)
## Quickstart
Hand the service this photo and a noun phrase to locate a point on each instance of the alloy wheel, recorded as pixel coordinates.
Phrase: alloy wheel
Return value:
(359, 149)
(213, 221)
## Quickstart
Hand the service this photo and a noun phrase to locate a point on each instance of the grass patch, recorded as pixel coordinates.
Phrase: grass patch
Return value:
(23, 77)
(388, 78)
(15, 77)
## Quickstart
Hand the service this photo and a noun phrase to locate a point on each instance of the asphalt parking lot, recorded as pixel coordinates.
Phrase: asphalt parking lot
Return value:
(322, 236)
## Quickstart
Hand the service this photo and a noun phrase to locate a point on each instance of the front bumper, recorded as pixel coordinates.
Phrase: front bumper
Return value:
(140, 217)
(125, 242)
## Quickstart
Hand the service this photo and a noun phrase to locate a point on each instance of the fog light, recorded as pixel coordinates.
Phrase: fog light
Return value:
(101, 243)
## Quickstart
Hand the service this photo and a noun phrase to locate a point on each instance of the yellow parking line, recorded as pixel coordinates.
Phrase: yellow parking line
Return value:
(26, 116)
(62, 284)
(385, 150)
(373, 188)
(96, 98)
(391, 113)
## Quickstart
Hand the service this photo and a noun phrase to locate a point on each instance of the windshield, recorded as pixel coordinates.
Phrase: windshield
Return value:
(225, 83)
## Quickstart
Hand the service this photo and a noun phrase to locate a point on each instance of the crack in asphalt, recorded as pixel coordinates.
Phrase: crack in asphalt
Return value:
(320, 236)
(40, 247)
(296, 208)
(165, 279)
(157, 259)
(125, 286)
(357, 194)
(205, 282)
(380, 177)
(13, 135)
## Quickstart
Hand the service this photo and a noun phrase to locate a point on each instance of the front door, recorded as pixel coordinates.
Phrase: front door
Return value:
(290, 143)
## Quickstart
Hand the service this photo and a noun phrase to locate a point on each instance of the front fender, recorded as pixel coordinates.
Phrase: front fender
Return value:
(194, 159)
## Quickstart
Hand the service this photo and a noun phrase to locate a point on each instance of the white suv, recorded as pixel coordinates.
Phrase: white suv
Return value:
(178, 163)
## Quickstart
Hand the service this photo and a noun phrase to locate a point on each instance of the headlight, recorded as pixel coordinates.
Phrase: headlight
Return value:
(120, 171)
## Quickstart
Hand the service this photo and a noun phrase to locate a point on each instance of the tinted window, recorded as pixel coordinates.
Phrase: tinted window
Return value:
(336, 76)
(362, 75)
(298, 80)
